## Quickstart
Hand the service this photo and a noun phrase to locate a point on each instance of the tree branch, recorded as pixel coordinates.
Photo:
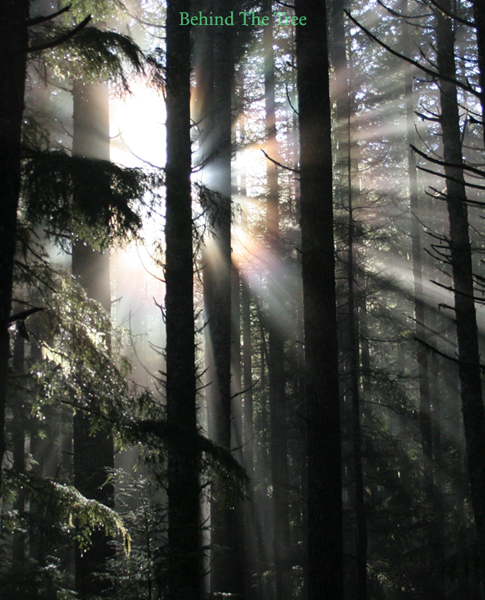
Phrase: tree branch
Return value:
(23, 314)
(437, 161)
(434, 74)
(62, 39)
(279, 164)
(45, 18)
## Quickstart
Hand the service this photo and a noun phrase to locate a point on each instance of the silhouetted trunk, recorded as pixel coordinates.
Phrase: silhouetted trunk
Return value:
(183, 477)
(247, 381)
(479, 13)
(434, 525)
(344, 110)
(461, 263)
(325, 562)
(226, 567)
(354, 368)
(276, 342)
(13, 45)
(93, 454)
(19, 411)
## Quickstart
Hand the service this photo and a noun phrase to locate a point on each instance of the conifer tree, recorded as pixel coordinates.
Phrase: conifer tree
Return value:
(325, 566)
(183, 463)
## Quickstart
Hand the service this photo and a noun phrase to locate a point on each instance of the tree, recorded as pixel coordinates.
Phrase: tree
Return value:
(13, 44)
(276, 342)
(325, 566)
(93, 453)
(461, 265)
(183, 461)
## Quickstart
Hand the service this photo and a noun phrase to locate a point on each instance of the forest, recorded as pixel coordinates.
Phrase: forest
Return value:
(242, 299)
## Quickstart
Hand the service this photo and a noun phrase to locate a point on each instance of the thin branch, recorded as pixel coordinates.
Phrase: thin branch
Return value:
(450, 178)
(447, 356)
(279, 164)
(434, 74)
(447, 164)
(449, 14)
(20, 316)
(62, 39)
(45, 18)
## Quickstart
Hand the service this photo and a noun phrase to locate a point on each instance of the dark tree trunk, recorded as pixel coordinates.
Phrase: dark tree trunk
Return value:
(344, 110)
(325, 561)
(247, 381)
(354, 368)
(13, 45)
(479, 13)
(19, 411)
(226, 567)
(276, 342)
(432, 492)
(461, 263)
(184, 581)
(93, 454)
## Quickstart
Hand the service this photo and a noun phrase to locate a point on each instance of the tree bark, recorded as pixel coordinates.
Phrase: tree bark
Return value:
(479, 14)
(184, 582)
(325, 563)
(276, 342)
(461, 263)
(13, 44)
(226, 563)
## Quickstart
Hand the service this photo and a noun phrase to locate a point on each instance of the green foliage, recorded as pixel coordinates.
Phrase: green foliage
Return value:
(78, 344)
(91, 199)
(80, 515)
(101, 10)
(94, 54)
(58, 515)
(156, 436)
(134, 573)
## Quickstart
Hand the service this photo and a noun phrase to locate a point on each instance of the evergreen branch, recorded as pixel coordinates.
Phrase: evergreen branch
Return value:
(60, 40)
(411, 61)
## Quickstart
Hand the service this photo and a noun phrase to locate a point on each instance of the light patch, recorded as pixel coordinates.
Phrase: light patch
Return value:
(137, 124)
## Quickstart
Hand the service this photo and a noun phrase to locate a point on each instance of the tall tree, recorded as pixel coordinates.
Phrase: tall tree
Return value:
(226, 569)
(344, 104)
(276, 342)
(479, 14)
(93, 453)
(14, 17)
(325, 562)
(462, 270)
(183, 478)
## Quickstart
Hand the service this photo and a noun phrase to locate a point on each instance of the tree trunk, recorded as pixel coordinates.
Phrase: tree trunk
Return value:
(13, 45)
(461, 263)
(479, 13)
(183, 477)
(19, 411)
(93, 454)
(226, 567)
(325, 562)
(344, 111)
(276, 342)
